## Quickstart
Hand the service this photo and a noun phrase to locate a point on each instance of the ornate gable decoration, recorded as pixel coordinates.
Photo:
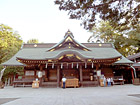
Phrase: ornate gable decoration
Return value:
(69, 42)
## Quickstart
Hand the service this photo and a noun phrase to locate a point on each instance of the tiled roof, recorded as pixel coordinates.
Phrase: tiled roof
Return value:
(136, 65)
(132, 57)
(43, 53)
(86, 50)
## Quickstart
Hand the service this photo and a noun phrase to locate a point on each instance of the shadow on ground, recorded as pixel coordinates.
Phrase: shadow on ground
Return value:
(135, 95)
(5, 100)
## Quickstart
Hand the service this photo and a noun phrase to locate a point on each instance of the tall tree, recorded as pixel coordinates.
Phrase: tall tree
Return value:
(10, 42)
(104, 32)
(126, 44)
(134, 39)
(33, 41)
(119, 12)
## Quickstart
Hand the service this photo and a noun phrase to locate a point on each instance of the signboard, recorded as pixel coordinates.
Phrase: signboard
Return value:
(29, 73)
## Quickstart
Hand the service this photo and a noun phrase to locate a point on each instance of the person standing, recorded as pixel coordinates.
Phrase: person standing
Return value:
(111, 79)
(64, 82)
(108, 81)
(104, 81)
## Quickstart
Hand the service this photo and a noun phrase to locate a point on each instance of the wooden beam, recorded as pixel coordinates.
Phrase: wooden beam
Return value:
(132, 75)
(81, 75)
(58, 76)
(40, 79)
(97, 68)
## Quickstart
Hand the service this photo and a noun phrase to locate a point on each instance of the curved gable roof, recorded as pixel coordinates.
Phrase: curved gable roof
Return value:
(68, 38)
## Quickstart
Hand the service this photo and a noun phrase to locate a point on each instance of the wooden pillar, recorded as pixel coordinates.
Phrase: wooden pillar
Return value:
(97, 68)
(132, 76)
(46, 72)
(35, 74)
(81, 75)
(58, 76)
(40, 79)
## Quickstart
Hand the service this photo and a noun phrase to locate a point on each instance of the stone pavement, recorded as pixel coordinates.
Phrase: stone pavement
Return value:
(116, 95)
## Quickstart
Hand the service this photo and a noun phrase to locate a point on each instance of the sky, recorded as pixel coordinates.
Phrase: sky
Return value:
(40, 19)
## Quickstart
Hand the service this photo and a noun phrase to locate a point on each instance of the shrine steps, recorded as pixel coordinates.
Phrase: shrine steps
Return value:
(89, 83)
(49, 84)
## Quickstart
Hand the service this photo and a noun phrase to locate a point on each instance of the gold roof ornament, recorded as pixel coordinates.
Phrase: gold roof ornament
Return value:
(60, 45)
(60, 57)
(49, 60)
(77, 45)
(18, 60)
(85, 49)
(69, 55)
(52, 49)
(68, 33)
(119, 59)
(89, 60)
(68, 38)
(78, 57)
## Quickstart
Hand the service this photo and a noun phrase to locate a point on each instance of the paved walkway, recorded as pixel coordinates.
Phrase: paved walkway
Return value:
(116, 95)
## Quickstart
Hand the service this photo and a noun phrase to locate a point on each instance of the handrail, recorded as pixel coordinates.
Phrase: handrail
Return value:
(134, 71)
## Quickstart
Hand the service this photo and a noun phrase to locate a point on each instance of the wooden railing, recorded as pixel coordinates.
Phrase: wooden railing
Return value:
(23, 82)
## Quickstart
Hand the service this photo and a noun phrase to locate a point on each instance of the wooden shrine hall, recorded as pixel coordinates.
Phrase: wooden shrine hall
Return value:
(81, 62)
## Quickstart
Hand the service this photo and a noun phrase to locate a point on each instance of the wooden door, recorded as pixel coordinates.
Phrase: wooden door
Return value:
(70, 73)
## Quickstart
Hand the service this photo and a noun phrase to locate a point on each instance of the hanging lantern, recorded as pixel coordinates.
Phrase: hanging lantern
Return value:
(77, 65)
(85, 65)
(52, 65)
(92, 65)
(46, 65)
(72, 65)
(61, 65)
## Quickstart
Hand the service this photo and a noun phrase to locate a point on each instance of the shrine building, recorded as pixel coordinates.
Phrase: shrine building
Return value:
(85, 62)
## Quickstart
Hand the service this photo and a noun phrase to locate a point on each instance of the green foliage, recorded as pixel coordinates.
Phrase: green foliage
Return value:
(11, 72)
(134, 39)
(119, 12)
(105, 32)
(33, 41)
(10, 43)
(126, 44)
